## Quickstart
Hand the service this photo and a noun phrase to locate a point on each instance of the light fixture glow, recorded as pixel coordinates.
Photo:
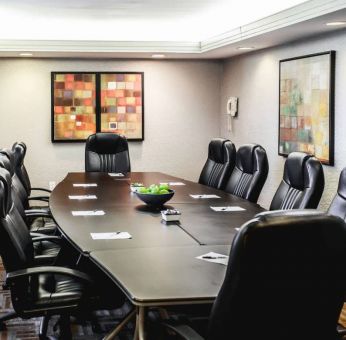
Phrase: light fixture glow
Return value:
(25, 54)
(245, 48)
(158, 56)
(336, 23)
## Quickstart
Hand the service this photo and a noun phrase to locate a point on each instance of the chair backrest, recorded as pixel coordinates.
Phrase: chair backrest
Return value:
(220, 163)
(107, 152)
(302, 184)
(285, 279)
(250, 172)
(8, 162)
(16, 246)
(338, 205)
(19, 152)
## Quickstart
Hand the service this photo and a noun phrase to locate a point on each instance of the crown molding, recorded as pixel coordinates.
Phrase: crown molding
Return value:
(300, 13)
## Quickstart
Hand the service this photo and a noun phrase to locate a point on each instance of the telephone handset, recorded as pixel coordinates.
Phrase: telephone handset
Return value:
(231, 110)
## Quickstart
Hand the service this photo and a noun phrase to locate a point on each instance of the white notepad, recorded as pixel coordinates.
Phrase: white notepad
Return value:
(84, 185)
(82, 197)
(214, 257)
(119, 235)
(88, 213)
(235, 208)
(205, 196)
(172, 184)
(116, 174)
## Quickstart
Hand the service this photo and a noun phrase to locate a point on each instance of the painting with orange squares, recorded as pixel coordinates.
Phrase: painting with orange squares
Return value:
(85, 103)
(122, 104)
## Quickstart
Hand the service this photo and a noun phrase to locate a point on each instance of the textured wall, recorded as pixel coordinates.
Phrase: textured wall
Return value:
(254, 78)
(181, 114)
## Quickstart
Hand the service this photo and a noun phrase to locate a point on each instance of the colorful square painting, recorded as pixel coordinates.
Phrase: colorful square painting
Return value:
(74, 106)
(122, 104)
(306, 115)
(85, 103)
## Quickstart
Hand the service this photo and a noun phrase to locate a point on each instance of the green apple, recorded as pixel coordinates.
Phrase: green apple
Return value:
(164, 186)
(164, 191)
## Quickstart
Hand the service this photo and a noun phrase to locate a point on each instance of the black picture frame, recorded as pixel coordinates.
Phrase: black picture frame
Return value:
(289, 139)
(97, 102)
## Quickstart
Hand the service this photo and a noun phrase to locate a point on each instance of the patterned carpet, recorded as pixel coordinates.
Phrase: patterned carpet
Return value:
(105, 320)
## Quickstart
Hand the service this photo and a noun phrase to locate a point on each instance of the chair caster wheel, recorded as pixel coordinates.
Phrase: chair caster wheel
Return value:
(2, 326)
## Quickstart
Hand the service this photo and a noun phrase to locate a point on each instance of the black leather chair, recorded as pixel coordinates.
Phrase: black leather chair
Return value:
(107, 152)
(220, 163)
(250, 172)
(36, 219)
(285, 280)
(302, 184)
(19, 152)
(338, 205)
(35, 290)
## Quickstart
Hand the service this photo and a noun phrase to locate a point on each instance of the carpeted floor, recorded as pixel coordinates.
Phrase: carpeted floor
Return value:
(105, 320)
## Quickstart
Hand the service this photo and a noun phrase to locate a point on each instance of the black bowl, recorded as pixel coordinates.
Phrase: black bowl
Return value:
(155, 199)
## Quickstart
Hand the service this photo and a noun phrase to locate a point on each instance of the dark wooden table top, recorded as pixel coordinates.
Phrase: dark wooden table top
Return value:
(125, 212)
(164, 275)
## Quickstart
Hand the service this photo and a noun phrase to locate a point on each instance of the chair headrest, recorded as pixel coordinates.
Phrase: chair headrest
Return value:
(246, 160)
(106, 143)
(5, 192)
(6, 161)
(294, 171)
(342, 184)
(216, 150)
(19, 152)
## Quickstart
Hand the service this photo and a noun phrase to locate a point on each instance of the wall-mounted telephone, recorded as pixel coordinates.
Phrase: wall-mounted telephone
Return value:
(231, 110)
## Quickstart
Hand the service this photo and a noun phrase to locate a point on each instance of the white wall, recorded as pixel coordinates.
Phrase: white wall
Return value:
(182, 101)
(254, 78)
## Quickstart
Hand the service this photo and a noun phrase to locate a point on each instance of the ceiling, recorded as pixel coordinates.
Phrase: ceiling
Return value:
(139, 28)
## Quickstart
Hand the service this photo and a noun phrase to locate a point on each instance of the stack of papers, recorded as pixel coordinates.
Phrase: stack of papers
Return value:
(116, 174)
(118, 235)
(88, 213)
(205, 196)
(219, 209)
(85, 185)
(172, 184)
(82, 197)
(214, 257)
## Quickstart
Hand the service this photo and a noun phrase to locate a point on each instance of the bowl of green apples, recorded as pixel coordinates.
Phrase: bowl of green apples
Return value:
(155, 194)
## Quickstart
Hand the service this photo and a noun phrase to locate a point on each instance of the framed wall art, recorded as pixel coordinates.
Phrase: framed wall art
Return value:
(306, 105)
(84, 103)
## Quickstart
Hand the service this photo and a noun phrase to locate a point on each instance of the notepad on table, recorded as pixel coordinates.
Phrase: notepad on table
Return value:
(85, 185)
(214, 257)
(234, 208)
(172, 184)
(204, 196)
(82, 197)
(118, 235)
(116, 174)
(88, 213)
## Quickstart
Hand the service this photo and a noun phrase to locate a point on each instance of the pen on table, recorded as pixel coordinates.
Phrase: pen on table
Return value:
(213, 257)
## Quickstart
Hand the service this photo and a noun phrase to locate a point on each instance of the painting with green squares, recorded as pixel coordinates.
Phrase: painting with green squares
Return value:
(306, 114)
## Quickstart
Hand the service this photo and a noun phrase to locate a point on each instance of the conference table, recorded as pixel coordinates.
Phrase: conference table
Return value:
(158, 265)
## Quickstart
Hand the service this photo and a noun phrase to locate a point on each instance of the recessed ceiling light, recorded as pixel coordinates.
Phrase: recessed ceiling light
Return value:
(26, 54)
(158, 56)
(245, 48)
(336, 23)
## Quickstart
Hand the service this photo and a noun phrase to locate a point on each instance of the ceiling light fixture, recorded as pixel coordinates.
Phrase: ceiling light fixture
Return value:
(25, 54)
(158, 56)
(245, 48)
(336, 23)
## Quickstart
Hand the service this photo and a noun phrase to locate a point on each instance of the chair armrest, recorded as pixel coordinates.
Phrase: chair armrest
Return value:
(52, 238)
(39, 198)
(12, 276)
(41, 189)
(34, 235)
(37, 213)
(184, 331)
